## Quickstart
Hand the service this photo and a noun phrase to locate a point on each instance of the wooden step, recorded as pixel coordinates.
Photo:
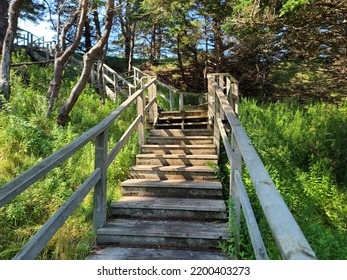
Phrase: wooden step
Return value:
(194, 125)
(180, 118)
(180, 132)
(169, 208)
(178, 234)
(176, 159)
(172, 188)
(177, 149)
(180, 140)
(172, 172)
(173, 206)
(121, 253)
(195, 113)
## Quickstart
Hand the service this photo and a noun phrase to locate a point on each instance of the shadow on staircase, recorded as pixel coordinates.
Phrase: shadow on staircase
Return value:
(172, 207)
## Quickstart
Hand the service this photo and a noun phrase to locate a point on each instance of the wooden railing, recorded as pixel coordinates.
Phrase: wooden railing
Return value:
(36, 46)
(170, 98)
(97, 179)
(223, 105)
(113, 82)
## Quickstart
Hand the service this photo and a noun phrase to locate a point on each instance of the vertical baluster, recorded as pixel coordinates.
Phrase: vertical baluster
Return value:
(99, 215)
(181, 101)
(171, 100)
(153, 112)
(141, 128)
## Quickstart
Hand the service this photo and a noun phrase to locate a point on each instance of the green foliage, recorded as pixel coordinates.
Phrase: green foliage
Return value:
(303, 148)
(291, 5)
(27, 136)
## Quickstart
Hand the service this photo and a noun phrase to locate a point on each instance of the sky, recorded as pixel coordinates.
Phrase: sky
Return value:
(42, 29)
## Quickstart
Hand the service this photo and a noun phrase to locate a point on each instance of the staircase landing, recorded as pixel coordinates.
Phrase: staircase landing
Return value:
(172, 207)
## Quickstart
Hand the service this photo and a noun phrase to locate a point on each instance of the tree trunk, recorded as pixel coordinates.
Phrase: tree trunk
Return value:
(180, 61)
(5, 65)
(62, 56)
(159, 43)
(153, 45)
(128, 27)
(87, 34)
(218, 44)
(3, 21)
(100, 79)
(88, 60)
(129, 43)
(131, 47)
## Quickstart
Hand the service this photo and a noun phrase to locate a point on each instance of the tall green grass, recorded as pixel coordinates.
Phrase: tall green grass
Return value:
(27, 136)
(303, 146)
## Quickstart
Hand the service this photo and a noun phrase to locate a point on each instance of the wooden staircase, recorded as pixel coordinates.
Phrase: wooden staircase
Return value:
(173, 206)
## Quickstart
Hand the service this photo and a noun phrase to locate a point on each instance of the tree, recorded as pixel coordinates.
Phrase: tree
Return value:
(128, 17)
(309, 34)
(3, 21)
(30, 10)
(88, 62)
(216, 13)
(63, 53)
(316, 33)
(5, 65)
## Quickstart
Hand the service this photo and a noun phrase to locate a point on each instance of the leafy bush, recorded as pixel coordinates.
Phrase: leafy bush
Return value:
(27, 136)
(303, 148)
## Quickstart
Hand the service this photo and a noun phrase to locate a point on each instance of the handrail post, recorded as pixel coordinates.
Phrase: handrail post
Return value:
(210, 100)
(135, 77)
(153, 112)
(216, 132)
(99, 215)
(140, 112)
(235, 97)
(172, 101)
(181, 101)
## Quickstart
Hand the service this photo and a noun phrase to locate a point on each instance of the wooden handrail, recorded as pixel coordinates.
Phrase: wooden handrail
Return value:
(290, 240)
(97, 179)
(118, 76)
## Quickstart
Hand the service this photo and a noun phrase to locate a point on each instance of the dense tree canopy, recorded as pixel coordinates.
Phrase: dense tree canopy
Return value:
(254, 40)
(247, 38)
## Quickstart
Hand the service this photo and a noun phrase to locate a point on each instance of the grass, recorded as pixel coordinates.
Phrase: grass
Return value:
(303, 148)
(27, 136)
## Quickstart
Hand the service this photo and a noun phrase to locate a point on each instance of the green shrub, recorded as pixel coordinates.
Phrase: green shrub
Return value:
(27, 136)
(303, 148)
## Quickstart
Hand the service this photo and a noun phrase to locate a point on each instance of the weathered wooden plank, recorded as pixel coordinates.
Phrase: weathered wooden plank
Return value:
(141, 99)
(110, 93)
(118, 76)
(182, 204)
(235, 164)
(173, 188)
(46, 232)
(26, 179)
(101, 147)
(149, 105)
(120, 253)
(288, 235)
(123, 140)
(107, 78)
(193, 229)
(183, 184)
(178, 159)
(253, 229)
(170, 88)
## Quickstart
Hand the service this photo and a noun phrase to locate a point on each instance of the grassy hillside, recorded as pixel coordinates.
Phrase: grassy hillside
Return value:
(304, 149)
(27, 136)
(302, 144)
